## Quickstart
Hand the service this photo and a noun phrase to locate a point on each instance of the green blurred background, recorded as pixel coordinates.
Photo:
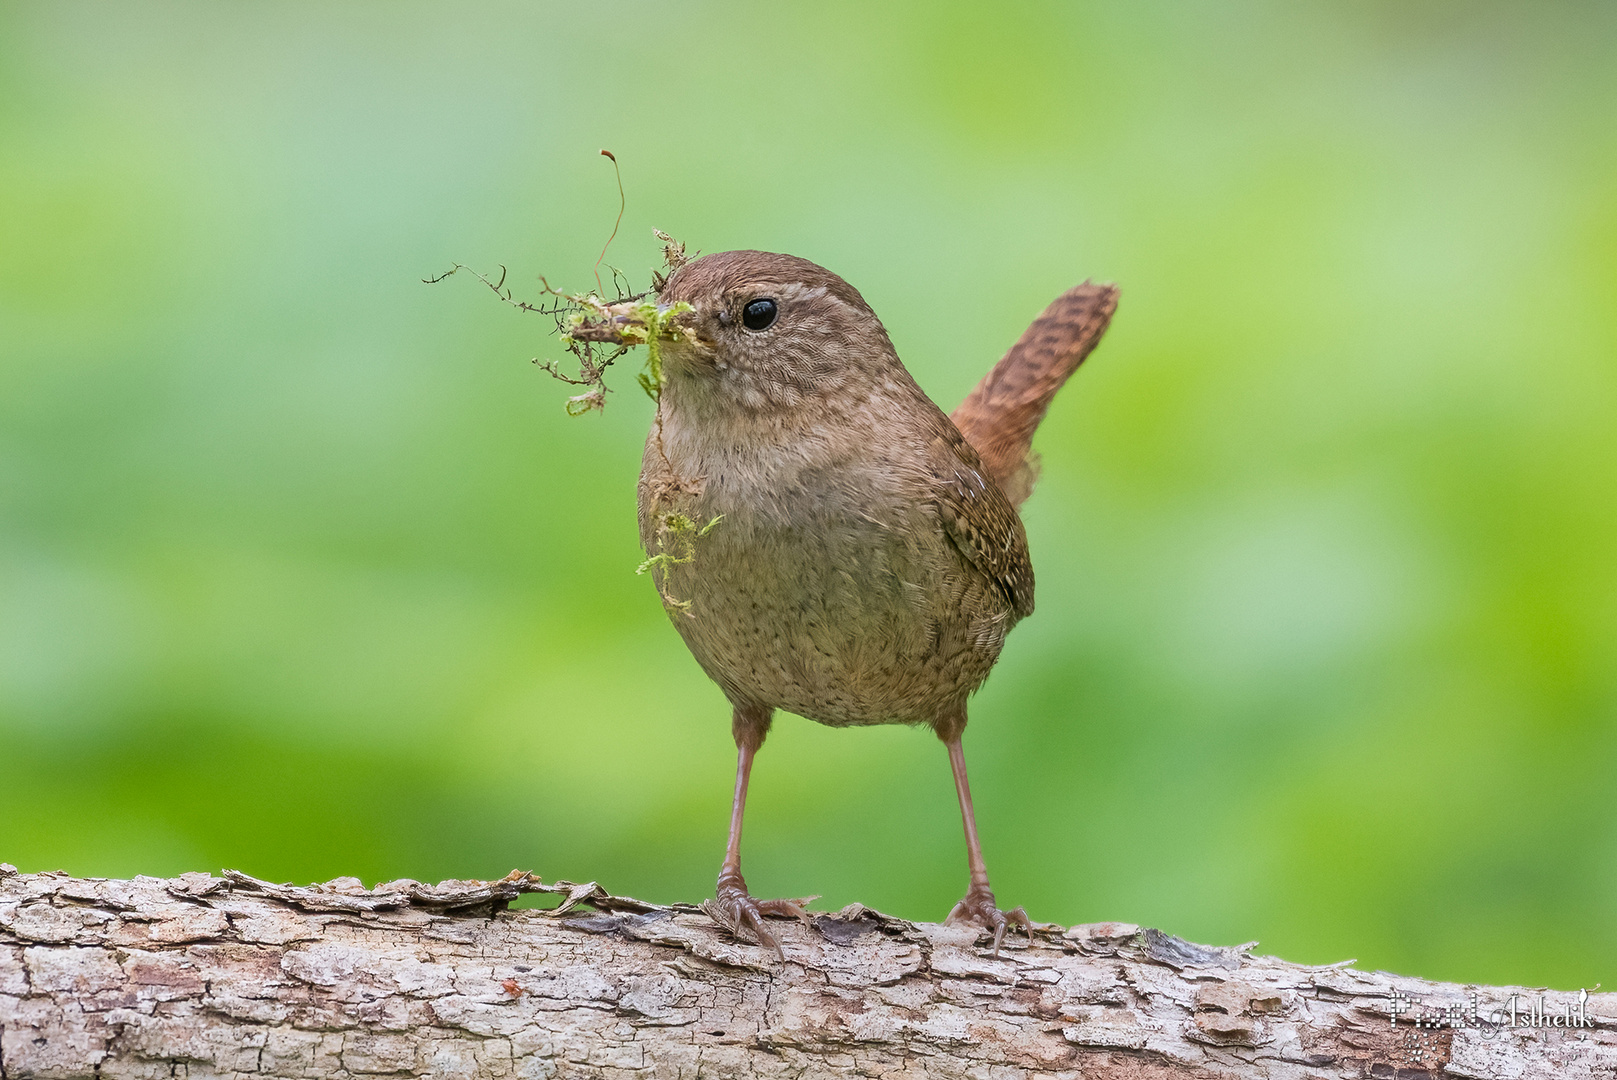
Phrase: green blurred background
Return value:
(304, 571)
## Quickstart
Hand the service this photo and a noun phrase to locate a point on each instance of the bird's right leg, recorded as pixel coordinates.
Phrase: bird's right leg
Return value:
(733, 907)
(978, 905)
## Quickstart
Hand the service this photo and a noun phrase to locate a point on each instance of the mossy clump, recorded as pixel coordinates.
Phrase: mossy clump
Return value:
(676, 538)
(623, 324)
(597, 331)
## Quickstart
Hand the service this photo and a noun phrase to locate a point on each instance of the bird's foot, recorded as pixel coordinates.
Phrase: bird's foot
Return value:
(736, 910)
(978, 907)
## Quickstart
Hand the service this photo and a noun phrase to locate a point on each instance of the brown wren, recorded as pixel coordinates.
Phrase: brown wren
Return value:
(865, 559)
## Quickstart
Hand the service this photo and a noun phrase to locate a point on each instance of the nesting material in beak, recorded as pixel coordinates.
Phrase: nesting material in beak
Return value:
(627, 323)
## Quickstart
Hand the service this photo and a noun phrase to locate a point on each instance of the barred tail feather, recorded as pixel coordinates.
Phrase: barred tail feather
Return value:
(998, 418)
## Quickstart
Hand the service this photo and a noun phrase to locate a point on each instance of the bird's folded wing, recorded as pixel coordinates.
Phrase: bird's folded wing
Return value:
(980, 520)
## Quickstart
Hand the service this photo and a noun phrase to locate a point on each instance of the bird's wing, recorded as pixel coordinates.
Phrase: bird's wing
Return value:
(980, 520)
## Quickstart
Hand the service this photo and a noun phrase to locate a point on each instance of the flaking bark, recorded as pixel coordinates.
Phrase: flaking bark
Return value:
(233, 977)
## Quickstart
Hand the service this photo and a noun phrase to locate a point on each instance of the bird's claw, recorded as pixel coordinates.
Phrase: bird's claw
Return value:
(736, 910)
(978, 907)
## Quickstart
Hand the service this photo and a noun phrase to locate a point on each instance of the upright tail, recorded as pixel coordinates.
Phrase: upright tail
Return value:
(999, 416)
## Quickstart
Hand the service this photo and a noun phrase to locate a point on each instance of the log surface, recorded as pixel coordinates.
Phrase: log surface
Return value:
(233, 977)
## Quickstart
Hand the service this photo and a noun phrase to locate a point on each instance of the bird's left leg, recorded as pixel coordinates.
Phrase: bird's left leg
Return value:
(734, 908)
(978, 904)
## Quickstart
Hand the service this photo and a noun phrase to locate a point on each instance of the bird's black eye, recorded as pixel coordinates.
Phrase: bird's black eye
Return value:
(759, 314)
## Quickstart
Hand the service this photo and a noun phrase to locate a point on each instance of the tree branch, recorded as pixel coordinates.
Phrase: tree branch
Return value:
(234, 977)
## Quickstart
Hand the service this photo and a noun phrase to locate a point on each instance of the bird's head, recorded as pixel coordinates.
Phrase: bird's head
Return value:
(769, 330)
